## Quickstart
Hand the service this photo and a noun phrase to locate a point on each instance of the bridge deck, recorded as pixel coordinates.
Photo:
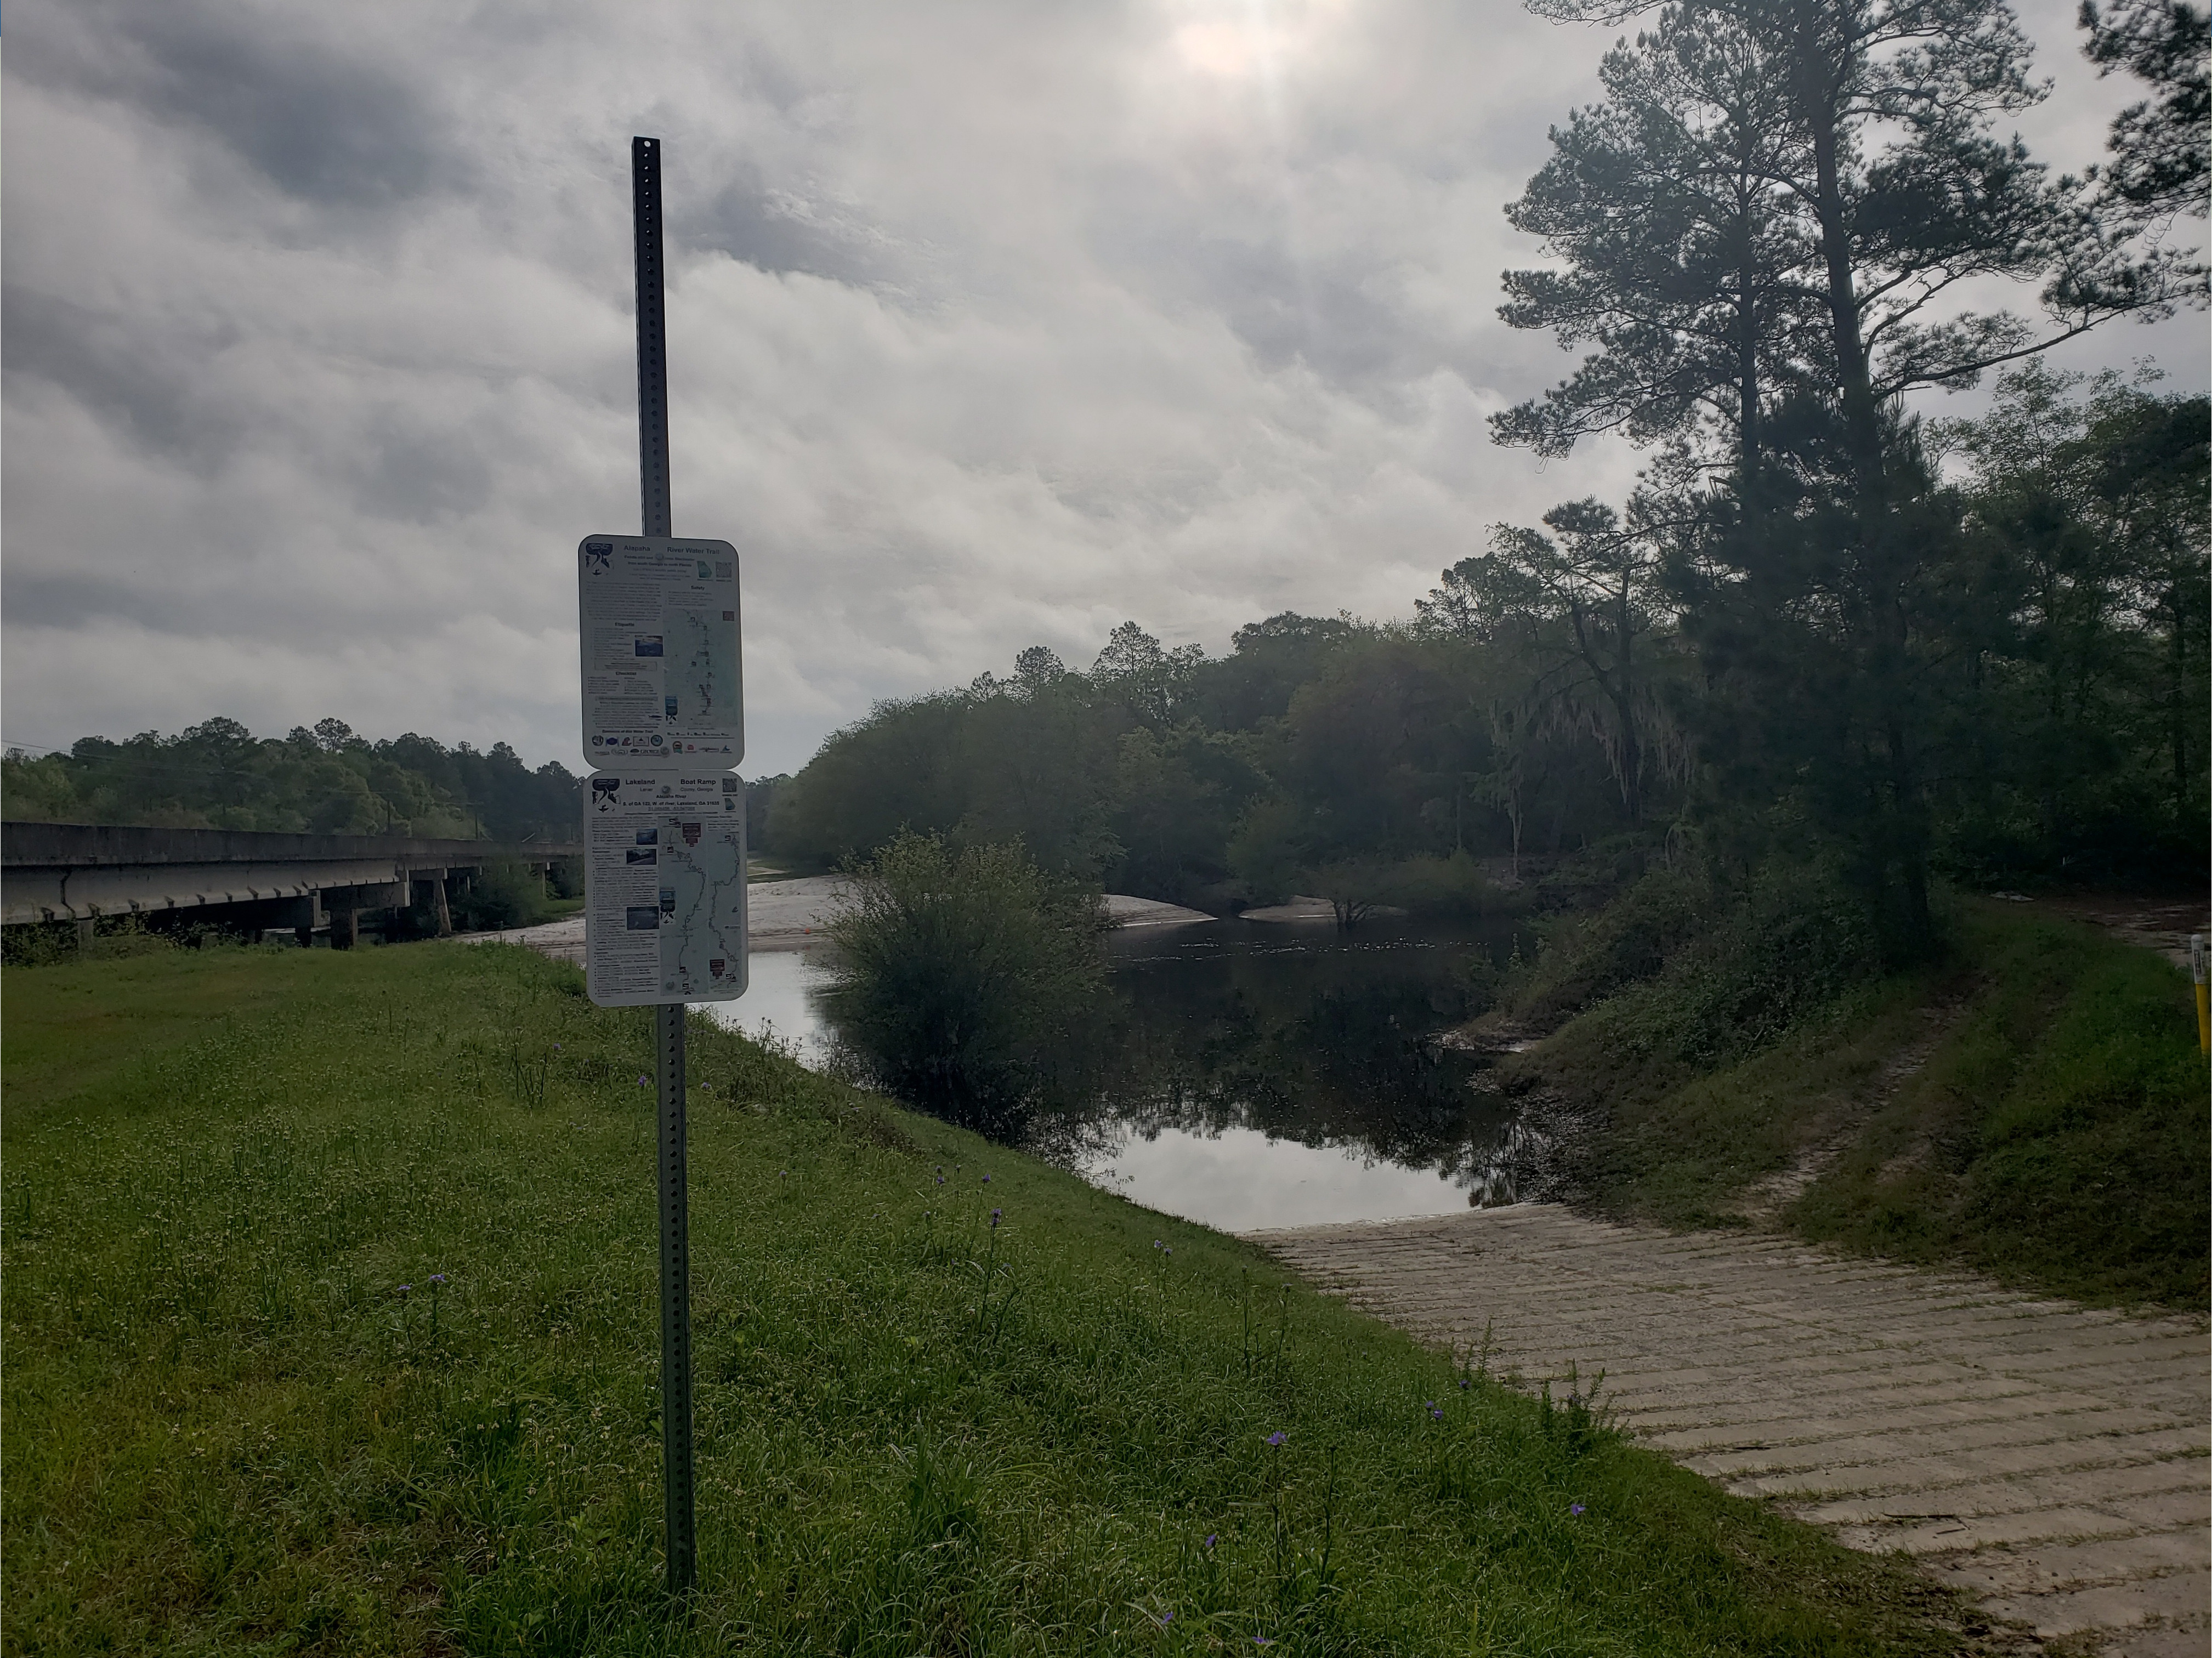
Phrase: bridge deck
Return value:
(79, 872)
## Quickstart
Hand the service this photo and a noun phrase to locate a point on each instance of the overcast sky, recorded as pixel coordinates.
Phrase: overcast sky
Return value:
(991, 325)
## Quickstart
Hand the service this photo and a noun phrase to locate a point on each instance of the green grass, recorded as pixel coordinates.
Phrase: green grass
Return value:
(242, 1414)
(2054, 1135)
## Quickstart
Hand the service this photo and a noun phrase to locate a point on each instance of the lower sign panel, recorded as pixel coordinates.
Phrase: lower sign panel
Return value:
(664, 888)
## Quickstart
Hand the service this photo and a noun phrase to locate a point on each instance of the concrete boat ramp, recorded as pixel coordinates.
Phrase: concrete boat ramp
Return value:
(2047, 1458)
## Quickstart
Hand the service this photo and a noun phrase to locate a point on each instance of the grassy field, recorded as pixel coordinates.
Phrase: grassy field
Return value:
(330, 1325)
(2035, 1108)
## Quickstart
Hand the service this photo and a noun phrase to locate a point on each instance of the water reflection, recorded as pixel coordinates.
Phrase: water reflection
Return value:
(1302, 1064)
(782, 1004)
(1243, 1179)
(1249, 1076)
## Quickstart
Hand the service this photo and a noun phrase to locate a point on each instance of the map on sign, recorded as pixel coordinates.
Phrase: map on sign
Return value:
(663, 678)
(663, 887)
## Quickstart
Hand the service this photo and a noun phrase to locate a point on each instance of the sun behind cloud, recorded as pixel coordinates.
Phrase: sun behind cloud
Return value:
(1238, 40)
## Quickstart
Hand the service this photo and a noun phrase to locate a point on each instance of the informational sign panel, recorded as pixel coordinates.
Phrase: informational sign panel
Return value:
(663, 887)
(663, 684)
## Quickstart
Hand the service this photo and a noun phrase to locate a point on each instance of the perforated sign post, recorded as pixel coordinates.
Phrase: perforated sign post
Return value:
(664, 817)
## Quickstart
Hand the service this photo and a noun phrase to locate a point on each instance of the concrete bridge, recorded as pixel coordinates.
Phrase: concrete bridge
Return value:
(242, 878)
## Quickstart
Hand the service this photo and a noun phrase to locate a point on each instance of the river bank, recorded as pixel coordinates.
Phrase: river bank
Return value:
(2031, 1106)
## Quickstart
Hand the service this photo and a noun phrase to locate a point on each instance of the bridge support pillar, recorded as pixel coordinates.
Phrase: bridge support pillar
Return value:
(435, 898)
(84, 933)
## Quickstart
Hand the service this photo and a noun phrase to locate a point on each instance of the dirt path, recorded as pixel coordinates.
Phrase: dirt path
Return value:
(2162, 924)
(2048, 1458)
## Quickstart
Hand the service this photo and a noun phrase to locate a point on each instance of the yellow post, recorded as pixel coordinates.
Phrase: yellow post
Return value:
(2197, 971)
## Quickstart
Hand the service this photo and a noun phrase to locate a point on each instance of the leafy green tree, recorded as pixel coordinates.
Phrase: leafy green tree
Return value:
(2086, 522)
(1177, 799)
(1036, 758)
(1591, 597)
(1267, 662)
(1269, 849)
(1375, 747)
(1153, 683)
(904, 767)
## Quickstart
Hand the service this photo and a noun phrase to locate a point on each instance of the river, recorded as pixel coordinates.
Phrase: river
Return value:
(1258, 1074)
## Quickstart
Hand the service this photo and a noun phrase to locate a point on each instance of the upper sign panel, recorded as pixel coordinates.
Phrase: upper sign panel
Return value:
(663, 681)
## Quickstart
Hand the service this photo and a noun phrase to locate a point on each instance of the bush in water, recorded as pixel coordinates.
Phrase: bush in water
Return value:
(957, 975)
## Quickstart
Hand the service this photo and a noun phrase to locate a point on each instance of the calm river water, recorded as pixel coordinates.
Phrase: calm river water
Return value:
(1259, 1074)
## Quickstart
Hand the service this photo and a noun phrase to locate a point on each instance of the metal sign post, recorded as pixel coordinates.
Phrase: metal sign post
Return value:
(664, 812)
(676, 1463)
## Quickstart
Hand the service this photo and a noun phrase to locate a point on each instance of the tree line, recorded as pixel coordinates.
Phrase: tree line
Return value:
(324, 781)
(1822, 628)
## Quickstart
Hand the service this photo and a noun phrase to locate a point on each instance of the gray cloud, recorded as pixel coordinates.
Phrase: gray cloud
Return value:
(994, 324)
(296, 94)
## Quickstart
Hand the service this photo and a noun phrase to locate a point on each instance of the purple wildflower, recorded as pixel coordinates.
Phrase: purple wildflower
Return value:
(1462, 1383)
(1436, 1414)
(437, 1277)
(1574, 1508)
(986, 1180)
(995, 1217)
(1211, 1537)
(1277, 1437)
(405, 1288)
(644, 1081)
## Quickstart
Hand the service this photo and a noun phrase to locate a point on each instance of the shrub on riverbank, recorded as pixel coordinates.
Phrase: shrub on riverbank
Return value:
(330, 1306)
(959, 975)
